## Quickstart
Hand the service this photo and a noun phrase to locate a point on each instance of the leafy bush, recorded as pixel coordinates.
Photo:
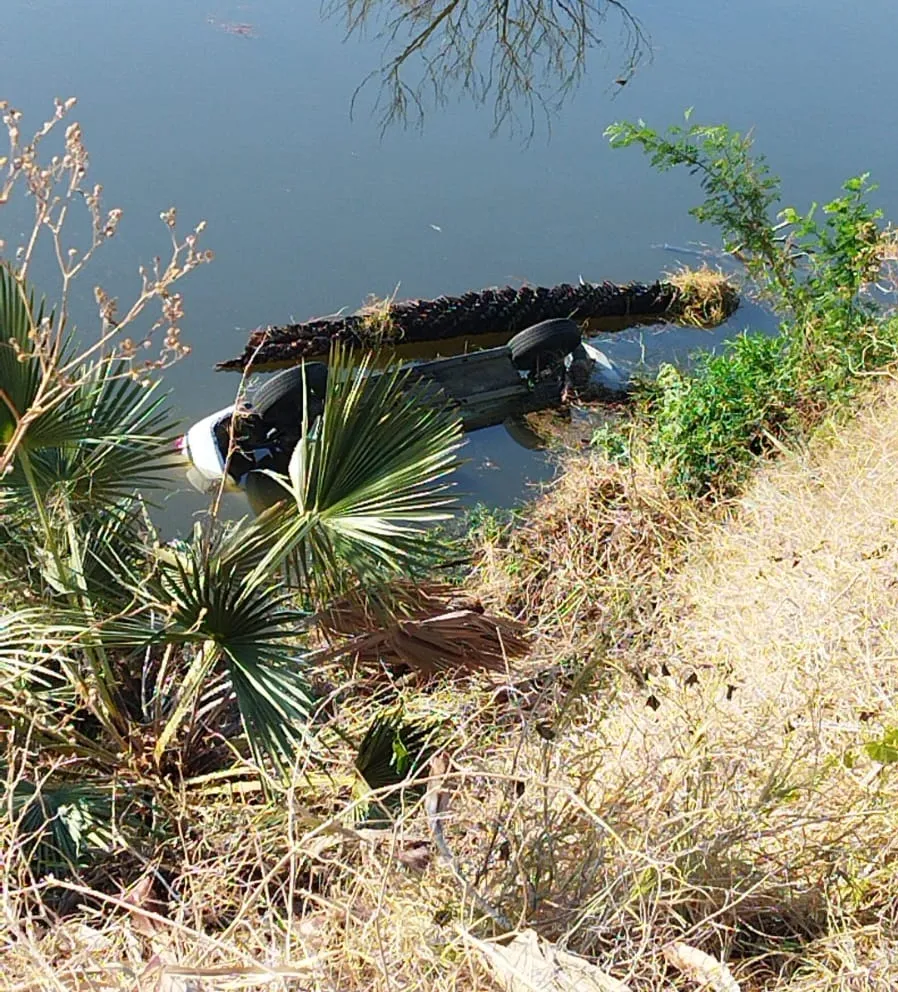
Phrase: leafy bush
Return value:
(812, 268)
(712, 423)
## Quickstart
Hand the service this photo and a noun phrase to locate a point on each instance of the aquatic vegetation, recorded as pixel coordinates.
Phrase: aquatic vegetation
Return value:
(377, 327)
(705, 297)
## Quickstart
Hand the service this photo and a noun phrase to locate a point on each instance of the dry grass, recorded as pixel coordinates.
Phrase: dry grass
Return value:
(592, 550)
(724, 769)
(778, 646)
(705, 297)
(377, 327)
(682, 761)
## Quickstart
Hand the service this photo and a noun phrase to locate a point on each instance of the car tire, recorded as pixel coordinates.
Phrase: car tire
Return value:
(549, 341)
(280, 398)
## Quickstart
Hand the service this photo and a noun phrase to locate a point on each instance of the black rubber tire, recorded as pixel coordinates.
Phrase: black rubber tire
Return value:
(538, 346)
(263, 492)
(280, 398)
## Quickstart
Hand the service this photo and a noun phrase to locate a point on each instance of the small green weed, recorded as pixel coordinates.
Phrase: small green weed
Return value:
(613, 442)
(490, 523)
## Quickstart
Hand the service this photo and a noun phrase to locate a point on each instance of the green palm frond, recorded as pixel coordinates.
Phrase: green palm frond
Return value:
(202, 597)
(109, 437)
(99, 554)
(48, 684)
(62, 825)
(29, 653)
(94, 439)
(391, 760)
(394, 751)
(114, 554)
(368, 481)
(20, 370)
(17, 561)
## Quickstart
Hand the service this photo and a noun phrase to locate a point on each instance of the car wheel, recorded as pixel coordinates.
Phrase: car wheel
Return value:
(538, 346)
(279, 400)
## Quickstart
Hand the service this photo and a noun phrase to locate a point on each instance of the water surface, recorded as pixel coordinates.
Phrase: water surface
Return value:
(310, 210)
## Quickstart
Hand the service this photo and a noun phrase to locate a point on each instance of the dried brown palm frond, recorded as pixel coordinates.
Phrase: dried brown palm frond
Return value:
(431, 628)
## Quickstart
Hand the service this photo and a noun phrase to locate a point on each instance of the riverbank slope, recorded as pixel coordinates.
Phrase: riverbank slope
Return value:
(735, 753)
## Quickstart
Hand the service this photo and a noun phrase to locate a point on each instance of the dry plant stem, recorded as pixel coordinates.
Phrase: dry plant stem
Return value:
(162, 922)
(437, 804)
(56, 187)
(215, 508)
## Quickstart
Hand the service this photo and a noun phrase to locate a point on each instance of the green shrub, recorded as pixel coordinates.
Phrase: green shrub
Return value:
(708, 425)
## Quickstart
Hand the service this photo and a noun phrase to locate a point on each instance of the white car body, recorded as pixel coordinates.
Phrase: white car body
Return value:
(207, 463)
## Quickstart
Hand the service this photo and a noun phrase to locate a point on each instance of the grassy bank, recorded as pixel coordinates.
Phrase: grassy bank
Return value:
(700, 750)
(736, 743)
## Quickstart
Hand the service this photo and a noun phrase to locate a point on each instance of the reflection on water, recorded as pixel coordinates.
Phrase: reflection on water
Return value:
(521, 57)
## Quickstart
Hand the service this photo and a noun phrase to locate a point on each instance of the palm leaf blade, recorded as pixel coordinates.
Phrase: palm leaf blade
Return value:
(368, 481)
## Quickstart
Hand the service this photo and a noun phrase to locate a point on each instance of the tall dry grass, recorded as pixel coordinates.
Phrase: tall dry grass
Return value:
(683, 760)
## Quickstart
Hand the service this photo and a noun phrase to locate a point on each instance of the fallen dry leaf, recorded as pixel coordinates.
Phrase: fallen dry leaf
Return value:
(701, 967)
(435, 629)
(531, 964)
(141, 901)
(416, 857)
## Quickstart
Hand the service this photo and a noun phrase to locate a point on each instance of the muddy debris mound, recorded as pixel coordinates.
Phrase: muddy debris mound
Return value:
(507, 309)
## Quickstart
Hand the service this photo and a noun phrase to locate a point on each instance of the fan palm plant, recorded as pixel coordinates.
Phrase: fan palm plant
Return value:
(391, 762)
(123, 661)
(365, 483)
(93, 435)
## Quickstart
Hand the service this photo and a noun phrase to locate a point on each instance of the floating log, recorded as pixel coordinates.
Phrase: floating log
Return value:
(507, 309)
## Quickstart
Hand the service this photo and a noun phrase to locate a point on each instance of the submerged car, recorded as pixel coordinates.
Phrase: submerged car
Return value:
(258, 436)
(487, 386)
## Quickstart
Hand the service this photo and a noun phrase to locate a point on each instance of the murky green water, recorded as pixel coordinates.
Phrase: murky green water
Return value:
(310, 211)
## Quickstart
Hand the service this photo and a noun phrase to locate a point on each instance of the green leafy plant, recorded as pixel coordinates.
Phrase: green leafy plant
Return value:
(366, 484)
(159, 666)
(710, 425)
(390, 761)
(740, 191)
(812, 268)
(885, 750)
